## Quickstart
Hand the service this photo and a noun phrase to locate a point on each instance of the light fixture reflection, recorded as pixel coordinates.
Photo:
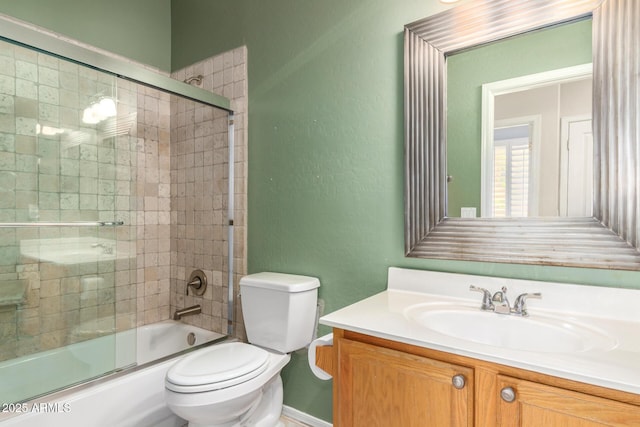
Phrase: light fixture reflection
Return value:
(48, 130)
(99, 111)
(107, 107)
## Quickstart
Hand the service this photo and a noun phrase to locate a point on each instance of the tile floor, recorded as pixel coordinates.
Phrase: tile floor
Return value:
(289, 422)
(286, 422)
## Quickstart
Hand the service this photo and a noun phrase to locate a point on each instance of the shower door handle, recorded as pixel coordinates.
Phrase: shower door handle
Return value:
(61, 224)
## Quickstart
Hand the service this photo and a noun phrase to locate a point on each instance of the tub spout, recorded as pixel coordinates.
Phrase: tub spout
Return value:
(194, 309)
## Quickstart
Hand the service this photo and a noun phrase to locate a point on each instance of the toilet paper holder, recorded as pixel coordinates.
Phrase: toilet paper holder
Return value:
(321, 358)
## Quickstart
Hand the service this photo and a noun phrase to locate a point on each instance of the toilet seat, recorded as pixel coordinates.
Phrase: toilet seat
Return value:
(220, 366)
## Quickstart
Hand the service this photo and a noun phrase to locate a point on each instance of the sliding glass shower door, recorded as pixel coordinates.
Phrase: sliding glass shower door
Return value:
(67, 218)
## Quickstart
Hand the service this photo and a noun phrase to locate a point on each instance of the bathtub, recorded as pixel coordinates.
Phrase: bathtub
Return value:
(134, 396)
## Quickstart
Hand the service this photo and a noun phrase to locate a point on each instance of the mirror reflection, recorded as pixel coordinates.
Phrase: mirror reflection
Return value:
(519, 140)
(537, 145)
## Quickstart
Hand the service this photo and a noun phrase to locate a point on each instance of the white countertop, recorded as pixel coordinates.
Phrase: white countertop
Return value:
(613, 311)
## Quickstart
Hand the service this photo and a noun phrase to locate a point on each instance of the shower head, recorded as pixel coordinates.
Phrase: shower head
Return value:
(194, 80)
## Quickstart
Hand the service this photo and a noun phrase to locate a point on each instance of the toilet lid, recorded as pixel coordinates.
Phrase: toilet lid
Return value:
(219, 366)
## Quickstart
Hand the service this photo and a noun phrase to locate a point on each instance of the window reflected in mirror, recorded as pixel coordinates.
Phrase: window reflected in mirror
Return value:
(512, 146)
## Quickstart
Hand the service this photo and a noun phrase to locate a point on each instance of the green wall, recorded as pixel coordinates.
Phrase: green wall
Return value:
(325, 134)
(536, 52)
(326, 148)
(137, 29)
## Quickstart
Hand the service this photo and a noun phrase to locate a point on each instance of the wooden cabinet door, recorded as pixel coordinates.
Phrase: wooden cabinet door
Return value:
(537, 405)
(386, 388)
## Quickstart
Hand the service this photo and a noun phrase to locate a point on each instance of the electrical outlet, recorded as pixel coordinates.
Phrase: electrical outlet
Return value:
(467, 212)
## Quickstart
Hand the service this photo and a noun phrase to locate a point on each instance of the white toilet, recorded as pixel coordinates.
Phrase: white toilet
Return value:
(237, 384)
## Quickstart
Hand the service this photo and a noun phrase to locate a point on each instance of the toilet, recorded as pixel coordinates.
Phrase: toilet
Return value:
(236, 384)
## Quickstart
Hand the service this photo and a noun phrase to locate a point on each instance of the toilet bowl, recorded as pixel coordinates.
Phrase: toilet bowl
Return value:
(236, 384)
(229, 384)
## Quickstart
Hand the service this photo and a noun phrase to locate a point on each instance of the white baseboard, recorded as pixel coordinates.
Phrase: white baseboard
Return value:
(310, 420)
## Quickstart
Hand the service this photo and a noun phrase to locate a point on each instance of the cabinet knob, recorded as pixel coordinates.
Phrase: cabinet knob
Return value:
(459, 381)
(508, 394)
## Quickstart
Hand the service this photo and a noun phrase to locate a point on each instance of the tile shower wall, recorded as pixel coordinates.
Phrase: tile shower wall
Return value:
(199, 166)
(153, 196)
(55, 168)
(136, 176)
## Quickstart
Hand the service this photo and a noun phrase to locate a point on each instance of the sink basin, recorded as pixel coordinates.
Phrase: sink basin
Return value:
(535, 333)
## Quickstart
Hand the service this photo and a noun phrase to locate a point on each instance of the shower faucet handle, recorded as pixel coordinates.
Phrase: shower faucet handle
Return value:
(198, 282)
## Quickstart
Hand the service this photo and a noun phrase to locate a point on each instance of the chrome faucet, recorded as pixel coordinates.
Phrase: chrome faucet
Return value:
(499, 303)
(194, 309)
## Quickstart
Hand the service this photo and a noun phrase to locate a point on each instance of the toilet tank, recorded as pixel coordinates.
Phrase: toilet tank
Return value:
(279, 310)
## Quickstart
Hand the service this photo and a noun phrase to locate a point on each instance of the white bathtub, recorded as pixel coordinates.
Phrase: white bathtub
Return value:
(130, 398)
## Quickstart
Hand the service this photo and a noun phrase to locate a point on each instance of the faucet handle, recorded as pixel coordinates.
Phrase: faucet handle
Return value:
(520, 306)
(486, 297)
(198, 282)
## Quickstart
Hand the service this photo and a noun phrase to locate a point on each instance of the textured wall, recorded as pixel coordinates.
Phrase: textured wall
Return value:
(140, 29)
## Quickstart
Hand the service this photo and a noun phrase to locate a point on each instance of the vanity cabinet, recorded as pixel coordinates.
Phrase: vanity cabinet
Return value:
(379, 382)
(384, 387)
(536, 404)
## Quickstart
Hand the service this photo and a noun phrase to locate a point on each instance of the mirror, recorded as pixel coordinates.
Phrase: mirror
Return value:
(603, 232)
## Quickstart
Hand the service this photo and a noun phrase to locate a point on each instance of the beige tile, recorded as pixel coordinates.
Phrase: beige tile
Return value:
(290, 422)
